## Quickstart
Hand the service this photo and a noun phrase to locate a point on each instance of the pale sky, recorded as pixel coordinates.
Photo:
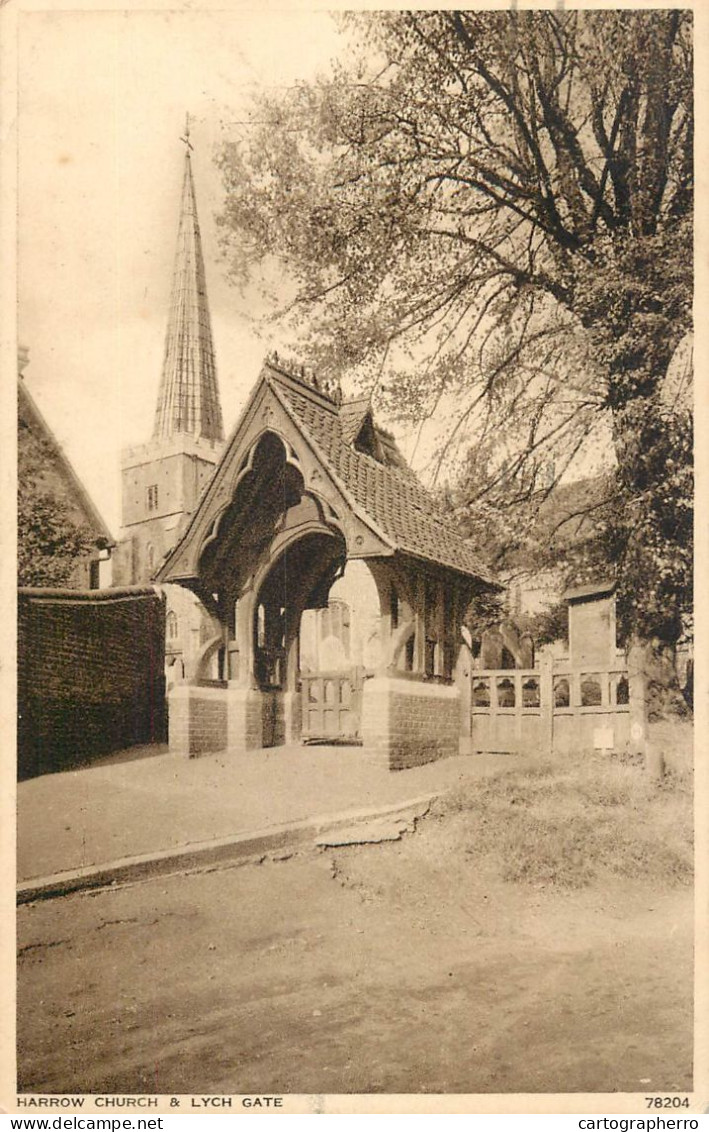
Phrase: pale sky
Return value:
(102, 102)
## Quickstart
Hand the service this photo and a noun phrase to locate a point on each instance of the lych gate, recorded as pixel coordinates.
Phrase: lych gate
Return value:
(310, 509)
(307, 486)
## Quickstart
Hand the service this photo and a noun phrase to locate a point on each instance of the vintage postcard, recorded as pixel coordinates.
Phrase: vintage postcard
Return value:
(350, 730)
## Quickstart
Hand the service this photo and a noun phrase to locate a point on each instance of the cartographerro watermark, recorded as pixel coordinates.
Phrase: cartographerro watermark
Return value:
(642, 1123)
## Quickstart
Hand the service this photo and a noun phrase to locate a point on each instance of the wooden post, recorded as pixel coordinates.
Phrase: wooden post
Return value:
(243, 633)
(637, 689)
(546, 703)
(420, 623)
(387, 629)
(464, 680)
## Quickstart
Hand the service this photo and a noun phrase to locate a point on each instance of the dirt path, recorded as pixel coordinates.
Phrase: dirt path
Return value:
(359, 970)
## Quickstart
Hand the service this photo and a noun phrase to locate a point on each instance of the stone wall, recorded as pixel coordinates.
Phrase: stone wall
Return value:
(408, 723)
(90, 674)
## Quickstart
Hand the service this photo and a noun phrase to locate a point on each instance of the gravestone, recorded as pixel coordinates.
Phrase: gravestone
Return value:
(592, 641)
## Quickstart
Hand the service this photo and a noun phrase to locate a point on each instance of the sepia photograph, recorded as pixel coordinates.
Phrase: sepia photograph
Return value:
(355, 504)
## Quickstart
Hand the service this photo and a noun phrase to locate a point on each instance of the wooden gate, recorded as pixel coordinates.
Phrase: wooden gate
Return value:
(507, 711)
(332, 706)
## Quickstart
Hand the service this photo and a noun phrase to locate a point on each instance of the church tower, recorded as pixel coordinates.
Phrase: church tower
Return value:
(163, 479)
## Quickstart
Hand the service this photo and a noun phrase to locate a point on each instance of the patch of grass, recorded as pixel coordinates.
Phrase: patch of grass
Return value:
(570, 821)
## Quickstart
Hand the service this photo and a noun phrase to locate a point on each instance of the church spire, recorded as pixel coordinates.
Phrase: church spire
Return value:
(188, 401)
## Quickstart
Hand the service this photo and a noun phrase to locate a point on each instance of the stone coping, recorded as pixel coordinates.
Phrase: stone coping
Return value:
(424, 689)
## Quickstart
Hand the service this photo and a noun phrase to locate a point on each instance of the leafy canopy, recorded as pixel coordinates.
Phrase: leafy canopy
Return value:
(489, 214)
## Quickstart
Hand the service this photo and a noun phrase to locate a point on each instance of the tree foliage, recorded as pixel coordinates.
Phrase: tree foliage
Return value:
(547, 625)
(49, 539)
(490, 213)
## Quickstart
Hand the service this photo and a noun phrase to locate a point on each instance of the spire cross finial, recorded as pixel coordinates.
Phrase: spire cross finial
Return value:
(186, 138)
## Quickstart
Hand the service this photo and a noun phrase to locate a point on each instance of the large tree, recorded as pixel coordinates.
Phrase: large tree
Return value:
(491, 213)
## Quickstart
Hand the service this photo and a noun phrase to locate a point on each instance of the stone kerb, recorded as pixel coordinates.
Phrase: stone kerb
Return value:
(407, 722)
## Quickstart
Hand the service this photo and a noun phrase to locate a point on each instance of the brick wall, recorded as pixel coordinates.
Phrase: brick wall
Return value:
(90, 675)
(256, 719)
(408, 723)
(245, 719)
(204, 719)
(198, 720)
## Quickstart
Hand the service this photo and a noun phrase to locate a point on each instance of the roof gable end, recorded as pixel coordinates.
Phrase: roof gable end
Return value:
(30, 415)
(381, 505)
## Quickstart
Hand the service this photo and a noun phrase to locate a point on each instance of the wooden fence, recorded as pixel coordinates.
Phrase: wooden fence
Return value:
(553, 708)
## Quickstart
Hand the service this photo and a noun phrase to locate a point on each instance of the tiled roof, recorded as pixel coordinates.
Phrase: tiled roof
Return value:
(593, 589)
(352, 415)
(388, 493)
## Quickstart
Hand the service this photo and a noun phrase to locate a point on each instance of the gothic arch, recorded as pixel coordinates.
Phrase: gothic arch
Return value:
(317, 553)
(269, 450)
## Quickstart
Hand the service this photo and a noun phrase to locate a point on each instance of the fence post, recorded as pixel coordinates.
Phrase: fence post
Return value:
(637, 694)
(546, 702)
(464, 680)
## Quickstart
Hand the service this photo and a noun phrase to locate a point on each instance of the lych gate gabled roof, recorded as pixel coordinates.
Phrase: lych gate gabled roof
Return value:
(388, 492)
(382, 492)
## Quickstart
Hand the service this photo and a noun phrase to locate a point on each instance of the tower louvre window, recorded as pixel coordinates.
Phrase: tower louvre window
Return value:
(153, 497)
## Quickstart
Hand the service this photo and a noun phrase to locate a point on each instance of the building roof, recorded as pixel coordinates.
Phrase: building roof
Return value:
(188, 399)
(369, 473)
(352, 417)
(593, 589)
(383, 487)
(30, 415)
